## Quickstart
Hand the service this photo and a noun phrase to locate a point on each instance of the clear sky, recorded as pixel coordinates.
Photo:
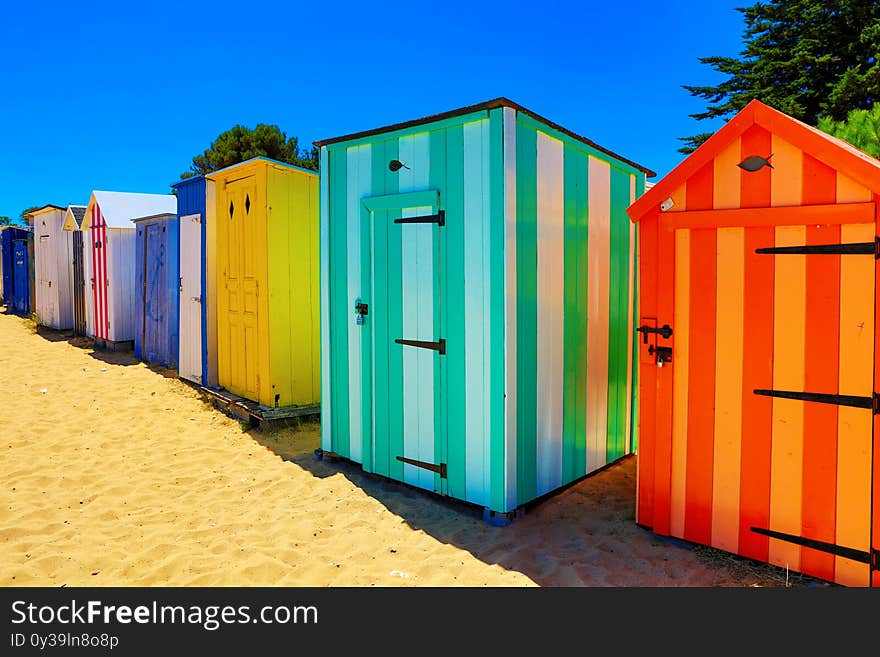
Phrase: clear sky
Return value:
(120, 96)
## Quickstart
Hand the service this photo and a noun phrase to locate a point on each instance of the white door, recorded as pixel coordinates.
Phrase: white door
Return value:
(47, 291)
(191, 298)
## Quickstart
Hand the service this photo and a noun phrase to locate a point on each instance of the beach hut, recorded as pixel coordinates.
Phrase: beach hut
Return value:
(72, 220)
(110, 261)
(157, 289)
(2, 271)
(53, 267)
(198, 281)
(477, 293)
(16, 269)
(266, 255)
(757, 342)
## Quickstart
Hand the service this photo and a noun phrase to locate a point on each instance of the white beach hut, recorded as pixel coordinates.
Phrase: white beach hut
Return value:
(109, 239)
(53, 267)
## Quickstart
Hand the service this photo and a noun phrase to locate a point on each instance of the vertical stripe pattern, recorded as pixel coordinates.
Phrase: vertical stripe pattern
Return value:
(99, 267)
(358, 183)
(599, 183)
(418, 305)
(681, 321)
(510, 297)
(535, 375)
(551, 255)
(729, 338)
(745, 320)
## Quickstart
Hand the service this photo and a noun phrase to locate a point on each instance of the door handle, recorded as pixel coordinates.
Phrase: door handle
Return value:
(665, 331)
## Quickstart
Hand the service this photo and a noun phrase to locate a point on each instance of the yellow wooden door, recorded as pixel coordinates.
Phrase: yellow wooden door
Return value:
(242, 290)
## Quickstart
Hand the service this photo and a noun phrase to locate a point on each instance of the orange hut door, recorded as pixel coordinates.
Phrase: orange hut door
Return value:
(763, 389)
(823, 401)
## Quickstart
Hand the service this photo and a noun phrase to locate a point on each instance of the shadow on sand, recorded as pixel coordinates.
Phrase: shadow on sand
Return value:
(125, 357)
(582, 535)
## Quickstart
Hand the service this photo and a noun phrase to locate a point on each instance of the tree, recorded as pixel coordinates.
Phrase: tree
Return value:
(240, 143)
(861, 129)
(24, 214)
(807, 58)
(5, 221)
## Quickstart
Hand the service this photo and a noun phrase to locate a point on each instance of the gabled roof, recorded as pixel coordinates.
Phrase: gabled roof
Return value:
(486, 105)
(46, 208)
(221, 173)
(834, 152)
(119, 208)
(73, 217)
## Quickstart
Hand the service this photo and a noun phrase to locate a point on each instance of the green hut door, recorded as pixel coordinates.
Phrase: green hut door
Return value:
(408, 354)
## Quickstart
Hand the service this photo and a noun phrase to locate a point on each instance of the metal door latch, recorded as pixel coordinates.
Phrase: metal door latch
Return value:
(664, 354)
(665, 331)
(360, 309)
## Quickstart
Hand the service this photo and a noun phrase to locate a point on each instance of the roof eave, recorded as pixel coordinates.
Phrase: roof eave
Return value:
(495, 103)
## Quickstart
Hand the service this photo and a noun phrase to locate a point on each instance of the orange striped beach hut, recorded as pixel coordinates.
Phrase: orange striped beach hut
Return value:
(757, 372)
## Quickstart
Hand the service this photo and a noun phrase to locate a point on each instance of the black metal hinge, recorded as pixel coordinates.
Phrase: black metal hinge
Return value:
(872, 402)
(439, 469)
(871, 557)
(852, 248)
(440, 345)
(439, 219)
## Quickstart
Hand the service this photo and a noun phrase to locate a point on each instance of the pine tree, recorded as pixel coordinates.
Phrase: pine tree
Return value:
(807, 58)
(241, 143)
(861, 129)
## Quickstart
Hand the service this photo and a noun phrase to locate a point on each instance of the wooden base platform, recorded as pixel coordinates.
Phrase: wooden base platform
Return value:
(111, 345)
(248, 409)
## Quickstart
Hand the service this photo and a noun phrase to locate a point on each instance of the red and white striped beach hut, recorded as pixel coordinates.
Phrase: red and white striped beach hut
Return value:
(109, 250)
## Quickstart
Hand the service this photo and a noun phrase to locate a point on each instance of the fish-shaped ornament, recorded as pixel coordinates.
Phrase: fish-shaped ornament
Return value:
(396, 165)
(755, 163)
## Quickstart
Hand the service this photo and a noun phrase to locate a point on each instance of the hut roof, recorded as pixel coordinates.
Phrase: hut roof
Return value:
(119, 208)
(831, 151)
(487, 105)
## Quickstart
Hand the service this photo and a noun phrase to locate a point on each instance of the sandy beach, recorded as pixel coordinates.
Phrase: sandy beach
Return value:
(115, 473)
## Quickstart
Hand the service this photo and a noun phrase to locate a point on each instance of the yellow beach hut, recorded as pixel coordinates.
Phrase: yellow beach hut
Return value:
(266, 255)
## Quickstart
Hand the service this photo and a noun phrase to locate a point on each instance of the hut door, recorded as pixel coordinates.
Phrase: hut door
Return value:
(191, 298)
(79, 289)
(823, 399)
(408, 355)
(46, 306)
(772, 393)
(20, 282)
(242, 289)
(154, 292)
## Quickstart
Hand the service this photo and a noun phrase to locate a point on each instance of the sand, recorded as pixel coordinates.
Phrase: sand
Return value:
(115, 473)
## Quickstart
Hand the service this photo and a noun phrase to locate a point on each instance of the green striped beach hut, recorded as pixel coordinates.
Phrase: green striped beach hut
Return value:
(477, 282)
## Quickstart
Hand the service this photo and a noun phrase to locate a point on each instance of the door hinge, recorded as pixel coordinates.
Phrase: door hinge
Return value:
(855, 401)
(439, 219)
(850, 248)
(440, 345)
(439, 469)
(870, 557)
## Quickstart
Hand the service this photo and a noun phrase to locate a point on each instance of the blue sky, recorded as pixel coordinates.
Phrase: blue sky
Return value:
(120, 96)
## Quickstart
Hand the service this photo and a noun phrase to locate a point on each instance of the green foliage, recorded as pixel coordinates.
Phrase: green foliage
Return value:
(25, 220)
(5, 221)
(861, 129)
(240, 143)
(807, 58)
